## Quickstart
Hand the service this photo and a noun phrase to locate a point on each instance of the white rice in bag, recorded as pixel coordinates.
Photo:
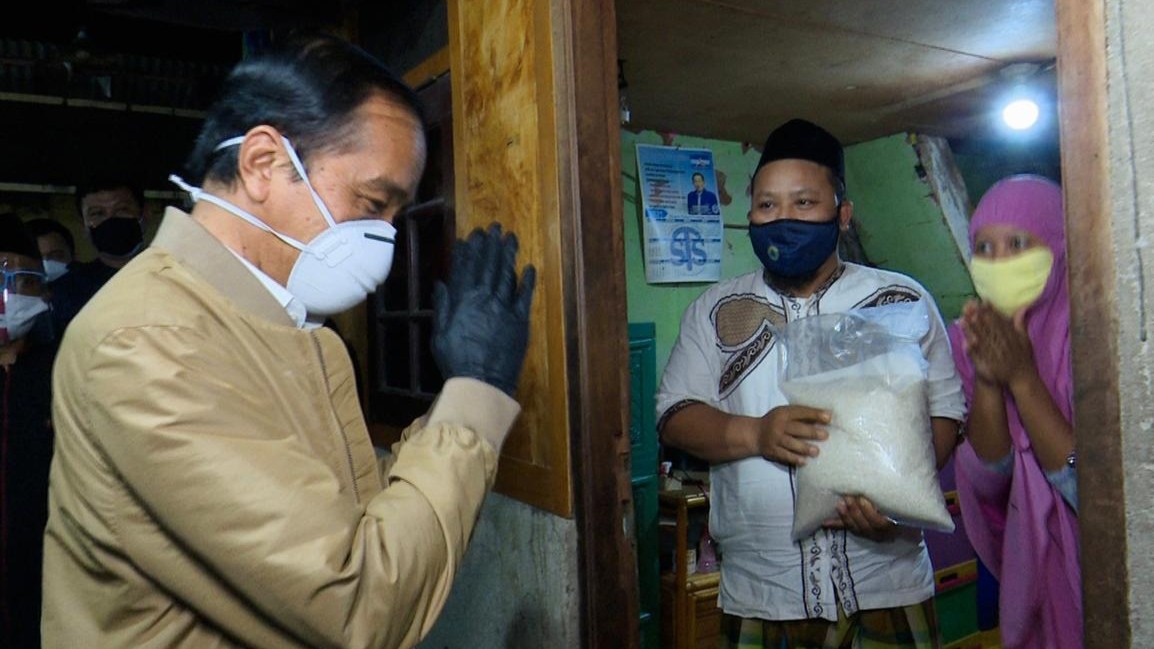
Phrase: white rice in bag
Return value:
(880, 444)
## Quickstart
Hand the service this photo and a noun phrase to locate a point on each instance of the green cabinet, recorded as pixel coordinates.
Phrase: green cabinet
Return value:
(643, 447)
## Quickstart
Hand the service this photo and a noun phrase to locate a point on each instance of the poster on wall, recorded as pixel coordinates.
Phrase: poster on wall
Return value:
(682, 231)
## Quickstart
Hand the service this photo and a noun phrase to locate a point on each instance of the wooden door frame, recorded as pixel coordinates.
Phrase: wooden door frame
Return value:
(1084, 140)
(535, 101)
(1082, 98)
(599, 343)
(602, 485)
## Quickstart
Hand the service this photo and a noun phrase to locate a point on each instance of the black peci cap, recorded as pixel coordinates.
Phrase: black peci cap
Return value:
(799, 139)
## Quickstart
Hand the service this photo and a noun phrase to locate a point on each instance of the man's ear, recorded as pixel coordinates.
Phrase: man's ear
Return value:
(845, 214)
(256, 161)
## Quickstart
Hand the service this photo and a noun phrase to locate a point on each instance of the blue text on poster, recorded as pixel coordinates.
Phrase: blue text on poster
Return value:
(682, 215)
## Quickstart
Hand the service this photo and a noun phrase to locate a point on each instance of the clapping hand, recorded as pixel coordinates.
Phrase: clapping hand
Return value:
(999, 347)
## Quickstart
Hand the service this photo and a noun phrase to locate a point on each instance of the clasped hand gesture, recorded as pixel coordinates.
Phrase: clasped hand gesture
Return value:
(999, 347)
(481, 317)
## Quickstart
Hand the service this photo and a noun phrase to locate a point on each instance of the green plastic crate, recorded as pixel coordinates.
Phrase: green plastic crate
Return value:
(957, 610)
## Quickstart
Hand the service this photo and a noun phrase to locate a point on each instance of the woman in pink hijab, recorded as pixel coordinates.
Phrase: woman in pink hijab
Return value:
(1016, 467)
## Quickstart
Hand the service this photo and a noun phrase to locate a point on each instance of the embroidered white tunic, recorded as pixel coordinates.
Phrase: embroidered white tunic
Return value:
(726, 356)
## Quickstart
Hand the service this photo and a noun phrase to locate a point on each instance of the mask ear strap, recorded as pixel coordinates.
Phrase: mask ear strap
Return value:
(199, 194)
(301, 170)
(232, 141)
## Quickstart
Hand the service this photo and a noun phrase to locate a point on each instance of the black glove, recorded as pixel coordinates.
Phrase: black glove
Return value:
(481, 319)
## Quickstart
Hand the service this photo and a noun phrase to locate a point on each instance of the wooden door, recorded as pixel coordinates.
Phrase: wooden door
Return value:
(537, 148)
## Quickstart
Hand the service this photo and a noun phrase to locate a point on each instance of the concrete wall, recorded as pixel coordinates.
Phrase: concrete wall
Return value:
(518, 586)
(1130, 75)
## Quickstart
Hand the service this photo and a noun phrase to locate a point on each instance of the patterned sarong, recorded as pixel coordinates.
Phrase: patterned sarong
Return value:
(908, 627)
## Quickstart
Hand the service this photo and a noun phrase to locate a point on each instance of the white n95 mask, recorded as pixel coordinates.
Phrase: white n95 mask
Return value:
(339, 267)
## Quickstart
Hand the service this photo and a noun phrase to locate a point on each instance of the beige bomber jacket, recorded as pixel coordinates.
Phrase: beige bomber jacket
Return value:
(214, 484)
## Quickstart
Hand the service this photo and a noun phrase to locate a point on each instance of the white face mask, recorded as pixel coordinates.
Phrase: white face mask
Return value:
(20, 313)
(340, 266)
(54, 269)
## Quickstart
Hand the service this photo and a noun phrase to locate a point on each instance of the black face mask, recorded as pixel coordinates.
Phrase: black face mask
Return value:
(118, 236)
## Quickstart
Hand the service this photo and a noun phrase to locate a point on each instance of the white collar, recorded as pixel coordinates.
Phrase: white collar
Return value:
(291, 304)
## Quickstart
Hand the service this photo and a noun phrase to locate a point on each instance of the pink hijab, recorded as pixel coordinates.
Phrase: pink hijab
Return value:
(1019, 525)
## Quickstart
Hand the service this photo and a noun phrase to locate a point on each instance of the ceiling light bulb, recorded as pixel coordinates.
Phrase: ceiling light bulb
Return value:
(1020, 114)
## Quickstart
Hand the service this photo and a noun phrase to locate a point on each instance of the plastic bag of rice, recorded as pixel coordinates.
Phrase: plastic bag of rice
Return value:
(866, 367)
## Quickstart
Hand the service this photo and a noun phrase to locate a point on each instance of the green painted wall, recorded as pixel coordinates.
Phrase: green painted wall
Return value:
(663, 304)
(899, 224)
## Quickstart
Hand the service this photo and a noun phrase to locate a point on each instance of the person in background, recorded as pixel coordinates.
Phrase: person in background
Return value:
(1016, 469)
(863, 581)
(214, 483)
(57, 247)
(26, 353)
(701, 200)
(114, 217)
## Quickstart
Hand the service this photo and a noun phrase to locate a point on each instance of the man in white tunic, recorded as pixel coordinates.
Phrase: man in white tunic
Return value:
(861, 581)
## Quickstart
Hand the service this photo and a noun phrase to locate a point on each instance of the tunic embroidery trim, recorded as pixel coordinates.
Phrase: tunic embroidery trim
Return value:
(744, 326)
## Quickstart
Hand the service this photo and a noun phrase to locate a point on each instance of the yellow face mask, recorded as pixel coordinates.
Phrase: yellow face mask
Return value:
(1012, 283)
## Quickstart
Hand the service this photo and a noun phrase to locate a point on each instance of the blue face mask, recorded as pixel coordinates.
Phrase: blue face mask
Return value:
(792, 248)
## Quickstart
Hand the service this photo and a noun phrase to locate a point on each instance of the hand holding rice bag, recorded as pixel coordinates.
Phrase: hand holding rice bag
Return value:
(866, 367)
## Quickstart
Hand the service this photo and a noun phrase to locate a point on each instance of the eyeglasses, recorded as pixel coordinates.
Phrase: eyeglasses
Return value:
(23, 282)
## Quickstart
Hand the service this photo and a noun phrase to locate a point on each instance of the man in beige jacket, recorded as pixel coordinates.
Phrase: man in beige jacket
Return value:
(214, 484)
